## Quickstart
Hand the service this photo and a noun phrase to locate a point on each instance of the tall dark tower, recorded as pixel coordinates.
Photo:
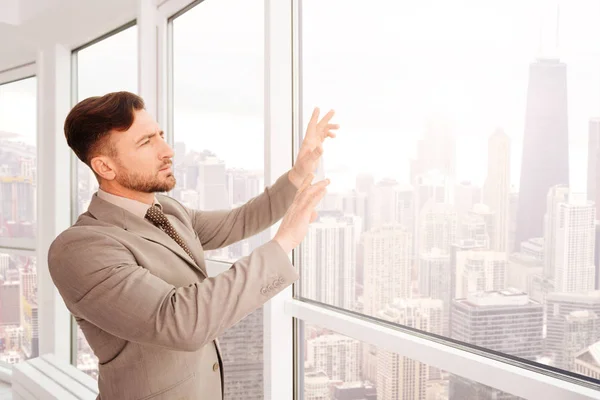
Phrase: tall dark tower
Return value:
(545, 160)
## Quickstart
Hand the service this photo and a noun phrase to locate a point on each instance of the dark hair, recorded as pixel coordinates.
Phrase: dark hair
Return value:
(90, 122)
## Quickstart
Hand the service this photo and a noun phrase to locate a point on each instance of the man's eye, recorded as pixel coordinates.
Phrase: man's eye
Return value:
(146, 142)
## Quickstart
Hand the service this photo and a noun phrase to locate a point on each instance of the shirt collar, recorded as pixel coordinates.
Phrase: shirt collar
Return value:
(133, 206)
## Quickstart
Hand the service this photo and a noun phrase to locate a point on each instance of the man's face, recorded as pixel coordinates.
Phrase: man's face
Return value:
(143, 157)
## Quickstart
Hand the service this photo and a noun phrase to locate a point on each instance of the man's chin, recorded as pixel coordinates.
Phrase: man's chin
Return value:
(167, 186)
(155, 186)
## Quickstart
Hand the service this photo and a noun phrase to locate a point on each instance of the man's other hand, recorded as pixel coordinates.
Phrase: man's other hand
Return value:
(301, 213)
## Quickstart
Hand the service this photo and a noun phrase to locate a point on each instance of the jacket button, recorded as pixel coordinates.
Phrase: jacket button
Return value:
(216, 366)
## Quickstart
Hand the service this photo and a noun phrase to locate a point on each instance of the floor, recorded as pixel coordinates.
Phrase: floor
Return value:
(5, 391)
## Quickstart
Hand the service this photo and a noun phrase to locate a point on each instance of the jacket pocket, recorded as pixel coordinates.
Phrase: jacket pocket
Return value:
(169, 388)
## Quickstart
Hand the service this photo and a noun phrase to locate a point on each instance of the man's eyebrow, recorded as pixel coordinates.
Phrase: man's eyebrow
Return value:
(148, 136)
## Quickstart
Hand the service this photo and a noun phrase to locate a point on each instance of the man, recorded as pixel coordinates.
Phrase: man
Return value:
(132, 270)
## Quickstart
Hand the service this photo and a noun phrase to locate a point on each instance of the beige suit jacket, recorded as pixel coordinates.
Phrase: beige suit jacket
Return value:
(148, 310)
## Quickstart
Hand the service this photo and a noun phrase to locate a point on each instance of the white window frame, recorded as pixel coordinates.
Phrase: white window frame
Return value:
(17, 73)
(54, 171)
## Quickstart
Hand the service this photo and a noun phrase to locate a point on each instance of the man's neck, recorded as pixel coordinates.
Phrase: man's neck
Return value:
(146, 198)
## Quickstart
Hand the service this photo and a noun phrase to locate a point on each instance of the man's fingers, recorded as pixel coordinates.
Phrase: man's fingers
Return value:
(316, 197)
(314, 117)
(305, 183)
(316, 191)
(323, 122)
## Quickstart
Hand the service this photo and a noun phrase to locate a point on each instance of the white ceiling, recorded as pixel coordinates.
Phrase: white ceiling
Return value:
(29, 25)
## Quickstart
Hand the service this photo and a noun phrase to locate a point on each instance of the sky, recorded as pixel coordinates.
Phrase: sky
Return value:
(18, 111)
(386, 69)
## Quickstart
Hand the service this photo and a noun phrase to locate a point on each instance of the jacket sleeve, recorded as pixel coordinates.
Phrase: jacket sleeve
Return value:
(111, 291)
(217, 229)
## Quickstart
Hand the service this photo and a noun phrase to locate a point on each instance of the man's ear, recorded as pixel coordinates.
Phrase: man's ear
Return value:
(104, 167)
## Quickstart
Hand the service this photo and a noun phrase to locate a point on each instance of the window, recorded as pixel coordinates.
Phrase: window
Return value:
(19, 339)
(105, 66)
(217, 110)
(461, 202)
(217, 117)
(109, 65)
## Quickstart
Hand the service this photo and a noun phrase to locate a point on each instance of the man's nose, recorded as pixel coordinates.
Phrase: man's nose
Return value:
(167, 151)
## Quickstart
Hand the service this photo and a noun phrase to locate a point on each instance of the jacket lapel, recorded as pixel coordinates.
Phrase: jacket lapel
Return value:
(107, 212)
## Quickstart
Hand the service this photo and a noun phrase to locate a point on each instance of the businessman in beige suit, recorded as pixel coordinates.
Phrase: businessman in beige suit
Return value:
(132, 269)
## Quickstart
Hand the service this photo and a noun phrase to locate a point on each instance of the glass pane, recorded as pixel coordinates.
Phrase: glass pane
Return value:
(218, 133)
(218, 109)
(107, 66)
(19, 334)
(337, 367)
(18, 163)
(462, 184)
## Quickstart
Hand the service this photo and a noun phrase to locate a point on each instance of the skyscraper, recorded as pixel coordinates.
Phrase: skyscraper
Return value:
(545, 158)
(593, 170)
(336, 355)
(436, 150)
(434, 281)
(242, 185)
(558, 307)
(437, 228)
(574, 270)
(212, 184)
(390, 202)
(480, 271)
(556, 195)
(316, 385)
(506, 321)
(387, 267)
(496, 190)
(354, 391)
(466, 194)
(10, 303)
(400, 377)
(512, 222)
(242, 349)
(581, 329)
(328, 259)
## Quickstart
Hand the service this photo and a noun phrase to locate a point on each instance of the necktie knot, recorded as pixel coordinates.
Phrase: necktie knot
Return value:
(158, 218)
